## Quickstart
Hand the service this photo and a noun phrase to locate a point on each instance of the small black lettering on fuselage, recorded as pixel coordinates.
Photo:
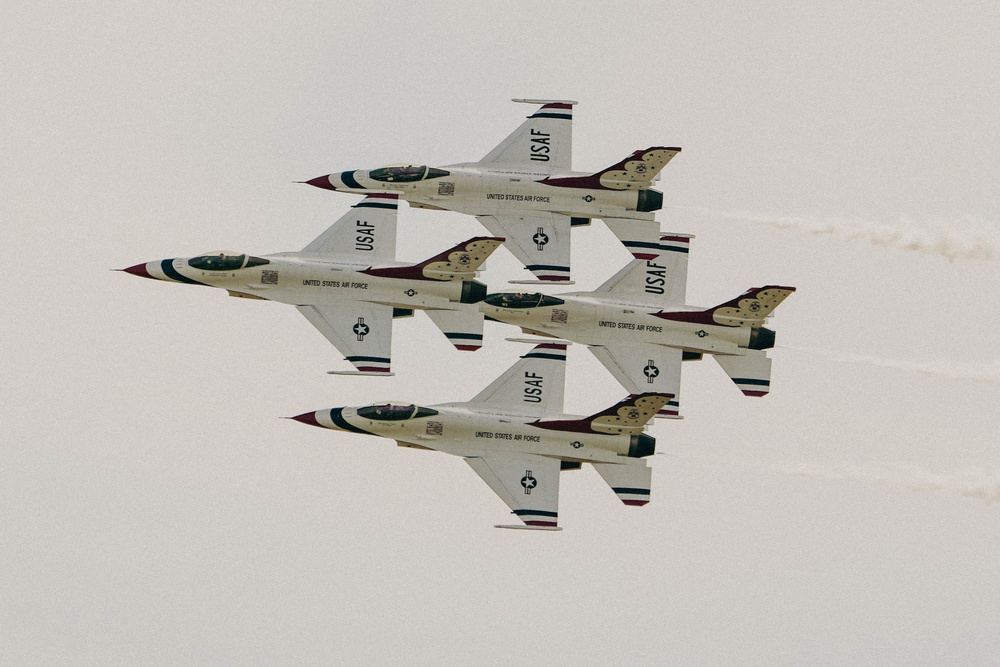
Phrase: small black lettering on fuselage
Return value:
(532, 387)
(655, 278)
(540, 146)
(365, 239)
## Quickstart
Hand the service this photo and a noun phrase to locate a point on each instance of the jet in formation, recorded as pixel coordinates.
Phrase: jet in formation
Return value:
(515, 436)
(638, 325)
(348, 285)
(526, 191)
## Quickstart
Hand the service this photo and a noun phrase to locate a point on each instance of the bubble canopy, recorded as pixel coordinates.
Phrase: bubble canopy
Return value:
(522, 300)
(224, 261)
(391, 412)
(405, 173)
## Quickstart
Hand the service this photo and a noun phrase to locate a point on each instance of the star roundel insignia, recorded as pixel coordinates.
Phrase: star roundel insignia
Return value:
(361, 329)
(651, 371)
(541, 238)
(588, 198)
(701, 333)
(576, 444)
(410, 292)
(529, 482)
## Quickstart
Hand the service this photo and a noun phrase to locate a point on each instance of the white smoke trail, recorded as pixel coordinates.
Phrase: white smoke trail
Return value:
(972, 482)
(965, 237)
(987, 373)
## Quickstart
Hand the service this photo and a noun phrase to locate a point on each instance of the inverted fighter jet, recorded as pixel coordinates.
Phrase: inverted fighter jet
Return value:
(526, 191)
(638, 326)
(349, 286)
(515, 436)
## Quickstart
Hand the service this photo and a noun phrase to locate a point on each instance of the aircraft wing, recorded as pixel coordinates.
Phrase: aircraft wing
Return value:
(533, 386)
(643, 367)
(528, 483)
(659, 277)
(540, 241)
(545, 140)
(366, 232)
(362, 332)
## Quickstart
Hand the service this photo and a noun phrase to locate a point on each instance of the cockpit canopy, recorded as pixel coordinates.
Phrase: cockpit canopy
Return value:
(522, 300)
(390, 412)
(406, 173)
(224, 261)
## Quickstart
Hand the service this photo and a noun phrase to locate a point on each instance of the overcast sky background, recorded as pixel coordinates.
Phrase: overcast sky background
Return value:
(156, 509)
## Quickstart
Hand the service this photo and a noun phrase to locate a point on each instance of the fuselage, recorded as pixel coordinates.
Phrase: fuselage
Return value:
(462, 430)
(306, 279)
(476, 189)
(592, 320)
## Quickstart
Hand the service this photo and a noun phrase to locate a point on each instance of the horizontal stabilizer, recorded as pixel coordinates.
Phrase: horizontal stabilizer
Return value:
(750, 372)
(631, 483)
(463, 327)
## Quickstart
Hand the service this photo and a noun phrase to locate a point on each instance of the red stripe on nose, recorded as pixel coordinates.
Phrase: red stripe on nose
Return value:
(321, 182)
(307, 418)
(139, 270)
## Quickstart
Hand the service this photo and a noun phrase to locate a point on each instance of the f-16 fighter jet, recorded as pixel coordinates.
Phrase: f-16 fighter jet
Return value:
(638, 326)
(526, 191)
(349, 286)
(514, 435)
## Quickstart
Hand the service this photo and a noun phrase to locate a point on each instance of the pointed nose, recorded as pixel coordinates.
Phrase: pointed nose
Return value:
(307, 418)
(321, 182)
(139, 270)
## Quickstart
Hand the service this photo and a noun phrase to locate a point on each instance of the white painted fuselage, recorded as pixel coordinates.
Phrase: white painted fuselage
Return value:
(303, 279)
(462, 430)
(478, 189)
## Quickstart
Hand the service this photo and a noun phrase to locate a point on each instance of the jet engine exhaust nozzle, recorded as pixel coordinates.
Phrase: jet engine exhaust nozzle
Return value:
(473, 291)
(649, 200)
(641, 445)
(761, 338)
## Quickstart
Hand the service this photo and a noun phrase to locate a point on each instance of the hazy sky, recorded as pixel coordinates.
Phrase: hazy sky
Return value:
(156, 509)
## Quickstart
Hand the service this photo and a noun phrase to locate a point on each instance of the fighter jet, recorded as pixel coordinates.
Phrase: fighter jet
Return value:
(638, 326)
(526, 191)
(349, 286)
(514, 435)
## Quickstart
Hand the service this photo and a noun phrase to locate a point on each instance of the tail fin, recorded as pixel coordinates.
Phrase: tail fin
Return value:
(626, 416)
(635, 172)
(748, 309)
(464, 328)
(458, 263)
(751, 372)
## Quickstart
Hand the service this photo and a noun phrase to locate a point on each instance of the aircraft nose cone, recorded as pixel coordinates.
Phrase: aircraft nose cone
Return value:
(321, 182)
(307, 418)
(139, 270)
